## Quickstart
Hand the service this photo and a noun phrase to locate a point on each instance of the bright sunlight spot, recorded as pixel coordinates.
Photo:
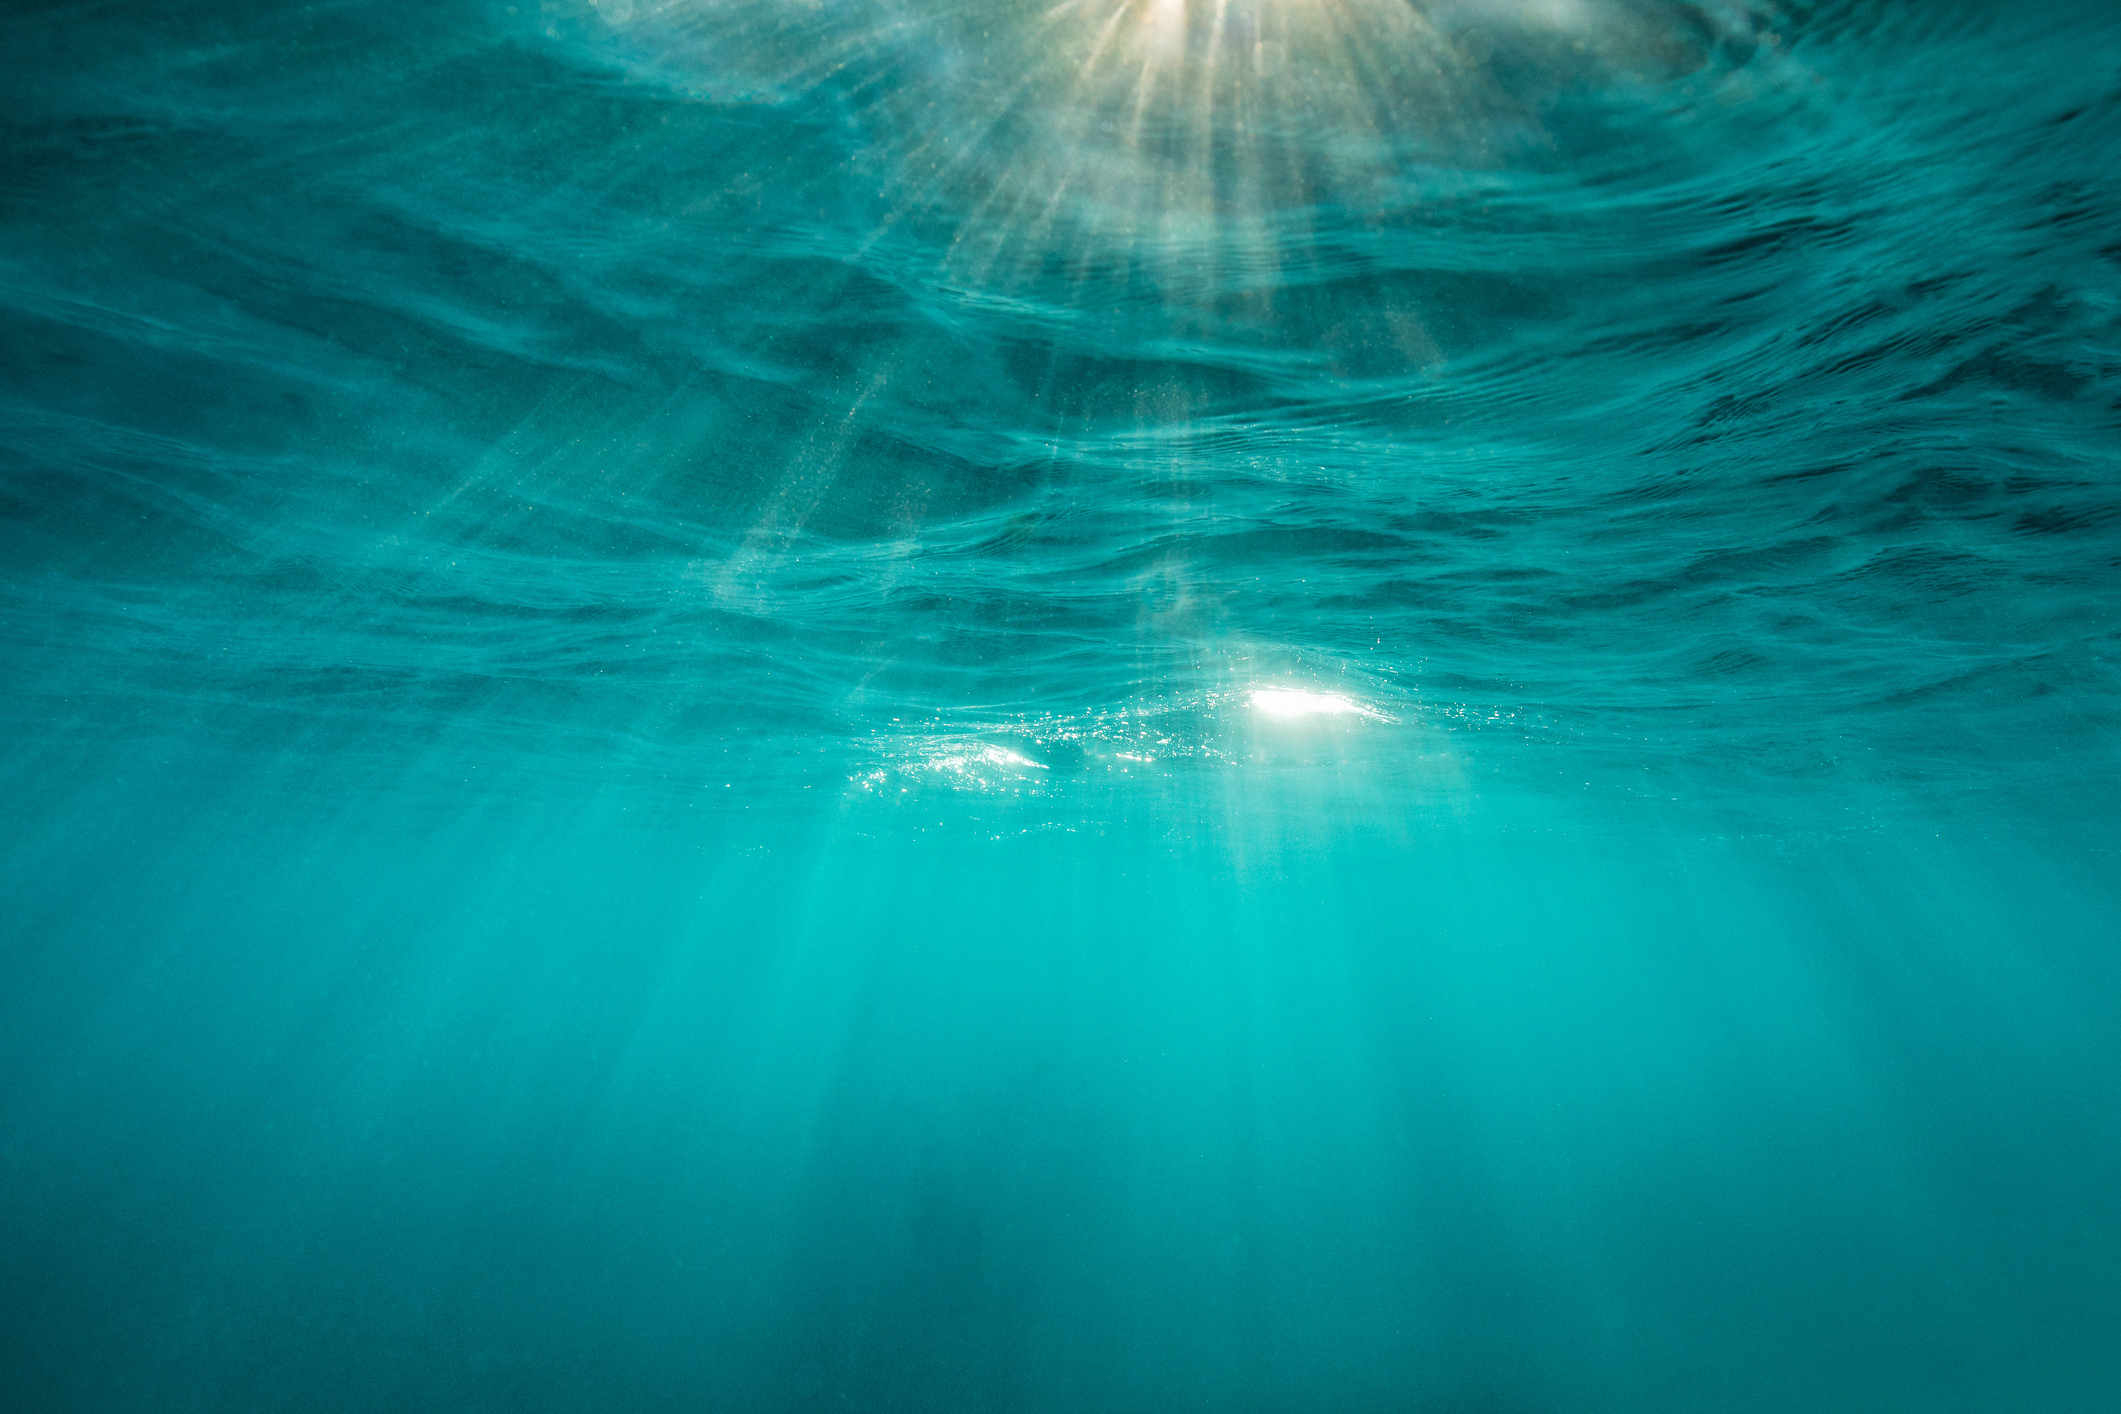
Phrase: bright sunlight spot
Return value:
(1295, 702)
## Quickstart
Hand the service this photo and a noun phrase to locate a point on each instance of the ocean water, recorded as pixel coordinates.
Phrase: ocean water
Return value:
(1252, 706)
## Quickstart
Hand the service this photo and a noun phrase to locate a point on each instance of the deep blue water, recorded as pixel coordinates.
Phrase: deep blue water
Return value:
(1259, 707)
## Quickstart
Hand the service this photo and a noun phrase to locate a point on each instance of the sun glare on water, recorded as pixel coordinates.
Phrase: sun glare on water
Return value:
(1189, 135)
(1295, 702)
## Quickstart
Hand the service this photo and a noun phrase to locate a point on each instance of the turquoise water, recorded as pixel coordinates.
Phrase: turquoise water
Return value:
(1293, 705)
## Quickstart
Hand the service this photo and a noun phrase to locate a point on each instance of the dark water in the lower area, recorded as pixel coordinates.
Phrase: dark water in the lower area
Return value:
(1266, 707)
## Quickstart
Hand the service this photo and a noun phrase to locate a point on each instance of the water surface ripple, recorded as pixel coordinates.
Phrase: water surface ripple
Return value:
(1664, 399)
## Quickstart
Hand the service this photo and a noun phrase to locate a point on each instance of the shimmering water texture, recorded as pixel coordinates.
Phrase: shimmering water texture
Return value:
(1190, 705)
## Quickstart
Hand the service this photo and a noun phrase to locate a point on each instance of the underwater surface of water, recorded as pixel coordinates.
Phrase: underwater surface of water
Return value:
(1224, 705)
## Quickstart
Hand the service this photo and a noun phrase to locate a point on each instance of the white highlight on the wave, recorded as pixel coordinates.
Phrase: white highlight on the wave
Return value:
(992, 756)
(1295, 702)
